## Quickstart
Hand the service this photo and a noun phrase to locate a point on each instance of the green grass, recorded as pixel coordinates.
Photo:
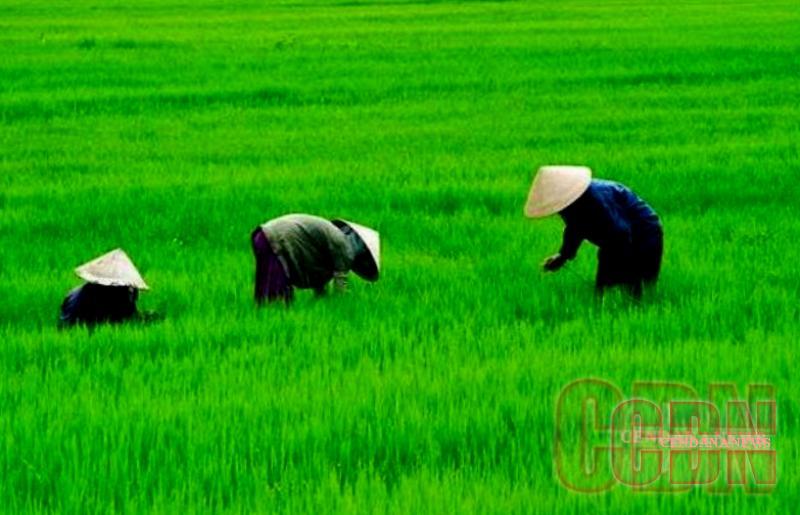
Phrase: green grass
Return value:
(173, 129)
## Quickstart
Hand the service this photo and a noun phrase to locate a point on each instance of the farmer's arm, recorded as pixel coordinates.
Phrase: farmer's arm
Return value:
(341, 265)
(70, 308)
(342, 257)
(570, 243)
(569, 247)
(340, 282)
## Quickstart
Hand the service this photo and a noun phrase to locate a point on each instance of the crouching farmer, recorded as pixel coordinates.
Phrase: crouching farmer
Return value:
(626, 230)
(305, 251)
(109, 294)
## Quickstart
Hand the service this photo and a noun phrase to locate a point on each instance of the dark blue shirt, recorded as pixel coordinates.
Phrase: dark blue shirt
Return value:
(93, 303)
(609, 215)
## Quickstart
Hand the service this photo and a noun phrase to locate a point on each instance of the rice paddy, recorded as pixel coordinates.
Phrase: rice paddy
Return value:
(171, 129)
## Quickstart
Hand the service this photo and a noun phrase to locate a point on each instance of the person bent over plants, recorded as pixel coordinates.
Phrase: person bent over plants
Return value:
(307, 252)
(109, 294)
(608, 214)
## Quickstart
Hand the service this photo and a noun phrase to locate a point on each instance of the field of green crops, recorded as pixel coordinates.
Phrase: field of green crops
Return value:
(172, 128)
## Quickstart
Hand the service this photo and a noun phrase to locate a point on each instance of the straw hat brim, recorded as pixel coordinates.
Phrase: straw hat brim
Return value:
(372, 241)
(114, 268)
(556, 187)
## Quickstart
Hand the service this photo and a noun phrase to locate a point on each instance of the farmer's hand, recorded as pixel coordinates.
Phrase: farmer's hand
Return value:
(553, 263)
(340, 282)
(149, 317)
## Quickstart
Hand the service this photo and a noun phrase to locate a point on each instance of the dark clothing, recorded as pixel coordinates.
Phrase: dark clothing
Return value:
(627, 231)
(94, 303)
(272, 282)
(312, 249)
(634, 271)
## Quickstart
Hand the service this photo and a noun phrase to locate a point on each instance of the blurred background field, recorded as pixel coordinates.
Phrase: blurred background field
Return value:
(173, 128)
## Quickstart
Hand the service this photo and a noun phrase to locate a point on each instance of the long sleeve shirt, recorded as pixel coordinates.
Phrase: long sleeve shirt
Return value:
(313, 249)
(609, 215)
(95, 303)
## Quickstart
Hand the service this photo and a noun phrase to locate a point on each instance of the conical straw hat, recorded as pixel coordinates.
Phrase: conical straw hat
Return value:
(371, 239)
(112, 269)
(556, 187)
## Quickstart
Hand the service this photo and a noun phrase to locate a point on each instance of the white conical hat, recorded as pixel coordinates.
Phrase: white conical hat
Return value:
(112, 269)
(556, 187)
(370, 237)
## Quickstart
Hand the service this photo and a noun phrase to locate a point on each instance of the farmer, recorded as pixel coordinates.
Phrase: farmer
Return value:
(109, 294)
(609, 215)
(305, 251)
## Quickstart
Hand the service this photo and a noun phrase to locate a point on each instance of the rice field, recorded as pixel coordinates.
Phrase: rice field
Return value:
(172, 128)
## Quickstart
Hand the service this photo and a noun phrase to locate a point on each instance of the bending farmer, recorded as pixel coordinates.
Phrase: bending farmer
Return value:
(607, 214)
(305, 251)
(109, 294)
